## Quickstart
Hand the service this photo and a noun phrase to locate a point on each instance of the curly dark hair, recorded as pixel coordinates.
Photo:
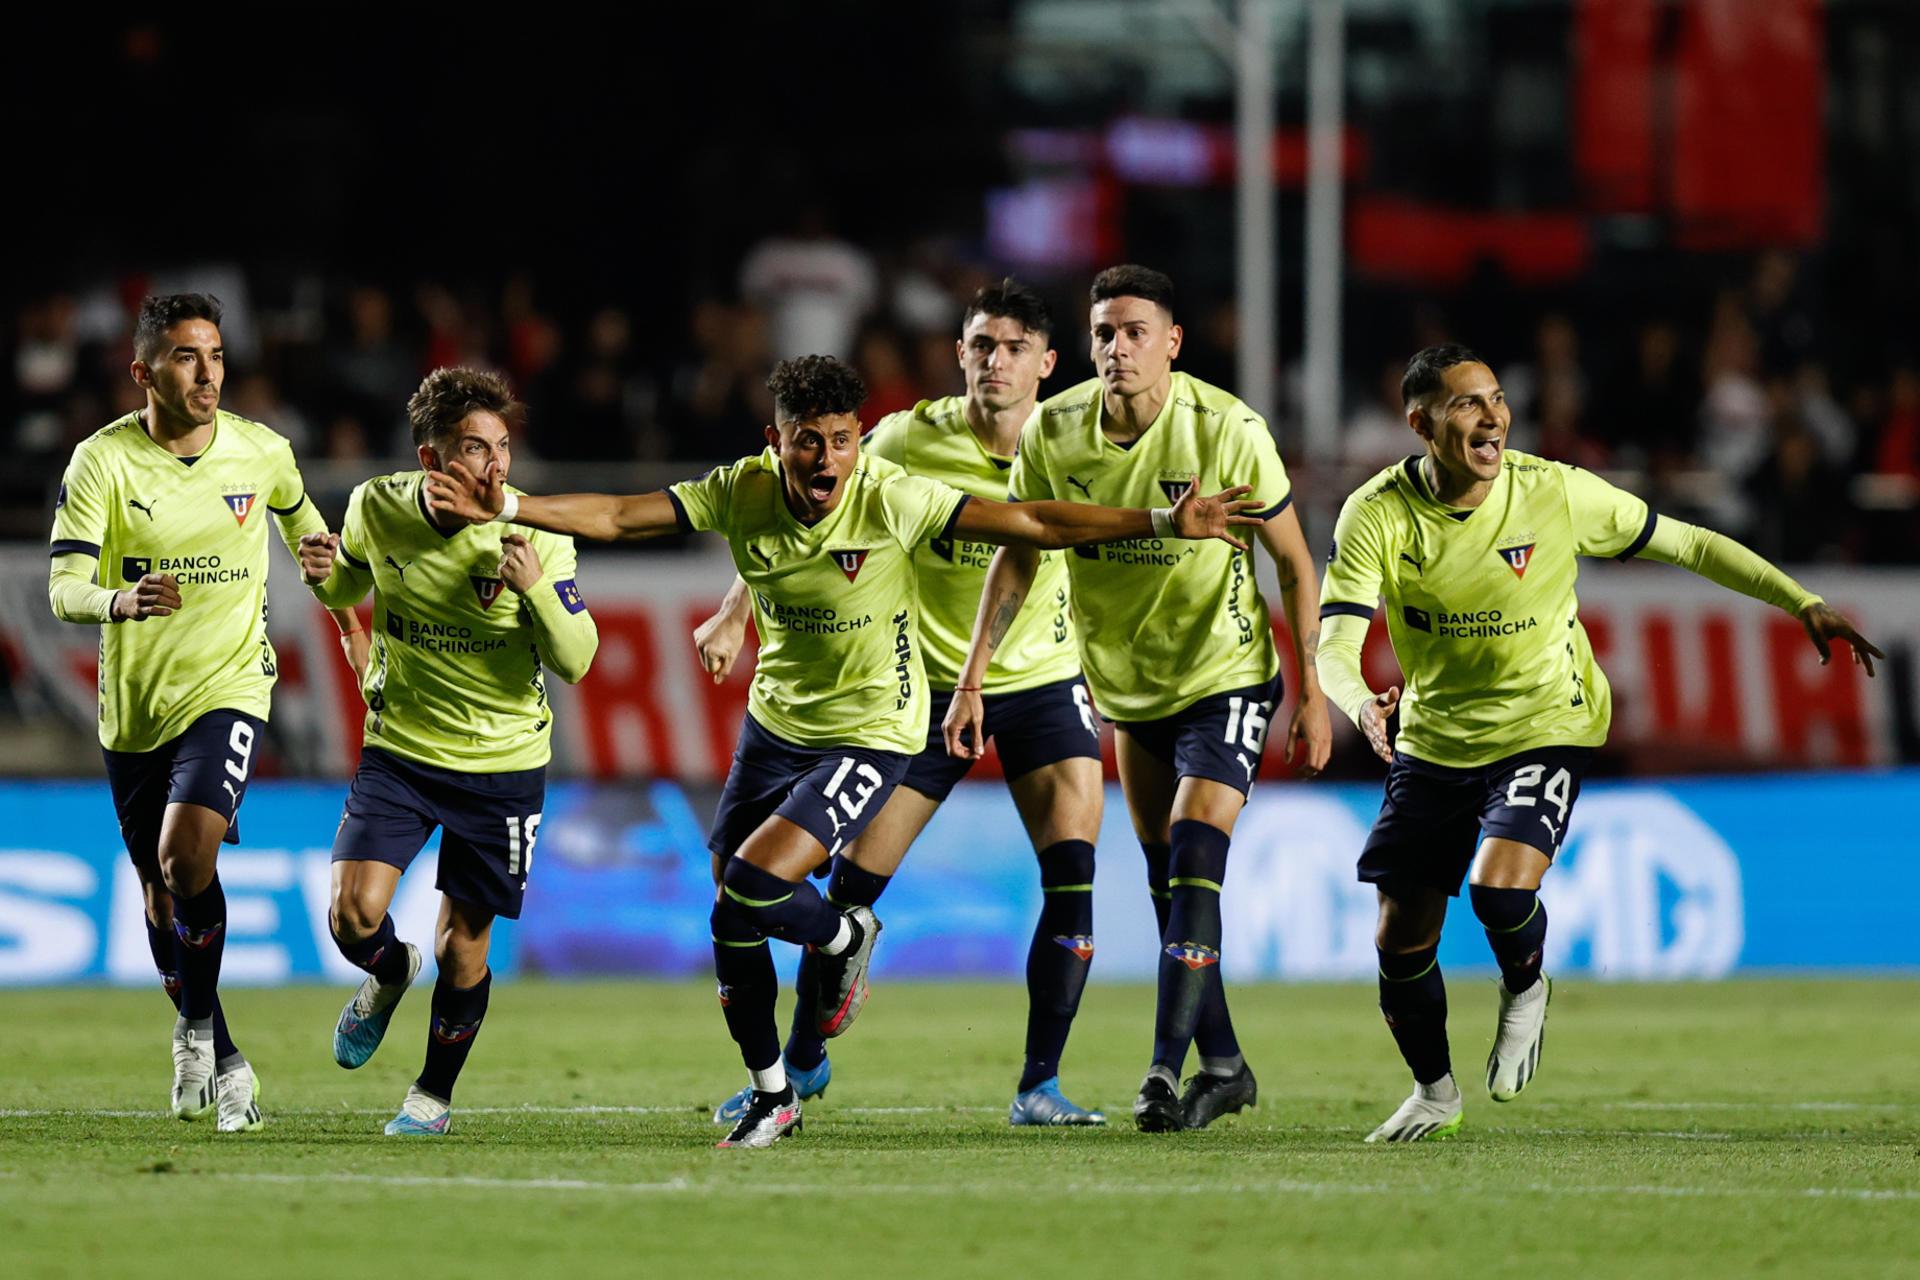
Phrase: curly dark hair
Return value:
(1133, 281)
(1015, 302)
(160, 312)
(1424, 372)
(446, 396)
(809, 387)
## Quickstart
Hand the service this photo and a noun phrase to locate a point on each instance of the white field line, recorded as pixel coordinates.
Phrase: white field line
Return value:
(1288, 1186)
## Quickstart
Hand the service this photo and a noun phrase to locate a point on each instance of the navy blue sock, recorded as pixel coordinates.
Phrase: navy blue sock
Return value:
(165, 947)
(1059, 957)
(847, 886)
(792, 912)
(381, 955)
(1159, 858)
(457, 1014)
(1413, 997)
(1213, 1034)
(200, 923)
(743, 967)
(1516, 925)
(1190, 947)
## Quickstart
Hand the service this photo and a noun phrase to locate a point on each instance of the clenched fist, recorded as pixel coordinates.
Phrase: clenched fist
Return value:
(155, 596)
(317, 551)
(519, 563)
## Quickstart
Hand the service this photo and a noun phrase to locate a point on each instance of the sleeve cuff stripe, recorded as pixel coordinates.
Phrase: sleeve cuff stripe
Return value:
(1276, 508)
(300, 502)
(73, 547)
(1353, 610)
(1639, 544)
(680, 512)
(946, 530)
(353, 559)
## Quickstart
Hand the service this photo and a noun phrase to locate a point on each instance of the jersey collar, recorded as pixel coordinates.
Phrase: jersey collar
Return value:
(140, 424)
(1416, 476)
(1100, 413)
(420, 504)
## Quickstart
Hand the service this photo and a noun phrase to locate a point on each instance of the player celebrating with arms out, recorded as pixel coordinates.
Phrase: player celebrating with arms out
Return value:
(1177, 644)
(823, 536)
(1472, 547)
(168, 501)
(1036, 703)
(458, 730)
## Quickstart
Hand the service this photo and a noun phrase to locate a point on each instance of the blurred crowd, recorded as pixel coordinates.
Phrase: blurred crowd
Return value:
(1729, 414)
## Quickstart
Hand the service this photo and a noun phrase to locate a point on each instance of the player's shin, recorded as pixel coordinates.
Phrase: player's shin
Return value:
(793, 912)
(455, 1024)
(1413, 999)
(1060, 956)
(1516, 925)
(743, 968)
(200, 925)
(847, 886)
(381, 954)
(165, 948)
(1190, 945)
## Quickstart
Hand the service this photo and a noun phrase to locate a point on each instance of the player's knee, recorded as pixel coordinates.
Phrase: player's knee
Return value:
(159, 905)
(355, 913)
(184, 872)
(1503, 910)
(1199, 854)
(1069, 862)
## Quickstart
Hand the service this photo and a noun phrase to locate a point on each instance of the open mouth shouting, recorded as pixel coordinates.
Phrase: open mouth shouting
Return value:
(1485, 447)
(821, 486)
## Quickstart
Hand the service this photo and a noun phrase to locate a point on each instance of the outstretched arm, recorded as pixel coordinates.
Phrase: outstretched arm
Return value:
(1009, 582)
(601, 517)
(1052, 525)
(1300, 594)
(1720, 559)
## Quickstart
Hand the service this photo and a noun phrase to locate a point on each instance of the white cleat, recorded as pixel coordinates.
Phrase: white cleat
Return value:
(238, 1100)
(1432, 1113)
(421, 1116)
(193, 1086)
(1516, 1045)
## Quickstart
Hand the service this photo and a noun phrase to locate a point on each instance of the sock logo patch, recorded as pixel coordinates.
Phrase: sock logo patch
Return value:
(171, 982)
(1079, 943)
(1194, 955)
(726, 992)
(203, 939)
(453, 1032)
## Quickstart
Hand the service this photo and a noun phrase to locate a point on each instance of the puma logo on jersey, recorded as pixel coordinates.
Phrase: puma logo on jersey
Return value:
(1081, 485)
(399, 568)
(1245, 763)
(766, 561)
(1419, 566)
(147, 507)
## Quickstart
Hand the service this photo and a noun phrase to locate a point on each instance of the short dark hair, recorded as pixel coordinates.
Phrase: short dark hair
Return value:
(447, 396)
(160, 312)
(1131, 280)
(1014, 301)
(1423, 375)
(809, 387)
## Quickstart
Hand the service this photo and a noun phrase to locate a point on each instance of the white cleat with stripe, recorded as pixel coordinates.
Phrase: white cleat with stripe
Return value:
(1432, 1113)
(1516, 1045)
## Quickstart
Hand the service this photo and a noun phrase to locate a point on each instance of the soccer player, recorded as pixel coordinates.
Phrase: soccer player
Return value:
(1177, 645)
(823, 535)
(458, 730)
(1472, 548)
(1036, 703)
(161, 523)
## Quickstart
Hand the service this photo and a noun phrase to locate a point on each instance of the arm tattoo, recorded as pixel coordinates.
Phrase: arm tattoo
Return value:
(1311, 645)
(1002, 620)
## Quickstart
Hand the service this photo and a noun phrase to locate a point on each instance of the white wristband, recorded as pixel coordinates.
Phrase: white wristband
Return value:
(508, 509)
(1162, 518)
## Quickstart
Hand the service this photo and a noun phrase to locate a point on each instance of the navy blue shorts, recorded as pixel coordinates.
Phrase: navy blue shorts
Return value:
(488, 822)
(1031, 729)
(208, 765)
(1221, 736)
(1433, 817)
(833, 792)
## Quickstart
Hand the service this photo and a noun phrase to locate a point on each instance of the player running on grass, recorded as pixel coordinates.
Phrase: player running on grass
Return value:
(161, 522)
(1472, 547)
(458, 729)
(823, 536)
(1036, 703)
(1177, 644)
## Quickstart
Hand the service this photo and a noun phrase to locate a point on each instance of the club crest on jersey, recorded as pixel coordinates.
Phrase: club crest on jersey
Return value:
(240, 504)
(487, 589)
(1175, 486)
(1080, 944)
(850, 560)
(1194, 955)
(1517, 558)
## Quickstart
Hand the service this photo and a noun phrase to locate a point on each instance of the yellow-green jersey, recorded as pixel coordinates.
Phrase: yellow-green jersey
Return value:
(1163, 622)
(933, 440)
(455, 674)
(1481, 606)
(128, 508)
(836, 603)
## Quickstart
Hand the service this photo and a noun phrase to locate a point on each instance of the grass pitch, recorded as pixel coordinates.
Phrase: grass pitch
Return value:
(1711, 1130)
